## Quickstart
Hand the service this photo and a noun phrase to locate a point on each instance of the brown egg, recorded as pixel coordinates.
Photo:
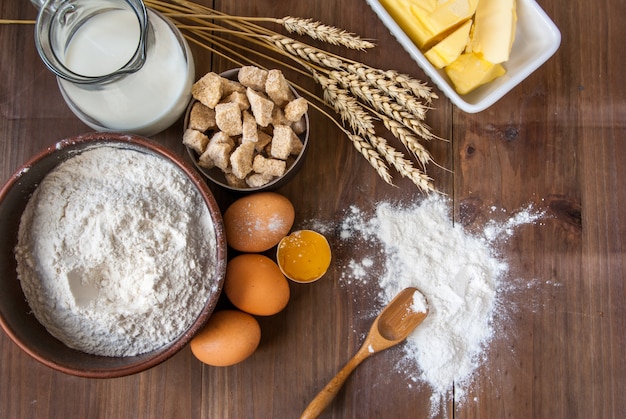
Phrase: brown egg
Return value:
(229, 337)
(257, 222)
(255, 284)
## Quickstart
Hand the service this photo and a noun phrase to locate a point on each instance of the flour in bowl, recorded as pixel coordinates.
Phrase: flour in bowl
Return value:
(116, 252)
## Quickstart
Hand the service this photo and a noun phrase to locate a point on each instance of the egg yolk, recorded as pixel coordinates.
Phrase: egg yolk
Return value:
(304, 256)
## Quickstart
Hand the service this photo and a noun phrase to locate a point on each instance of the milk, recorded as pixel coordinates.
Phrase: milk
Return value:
(145, 102)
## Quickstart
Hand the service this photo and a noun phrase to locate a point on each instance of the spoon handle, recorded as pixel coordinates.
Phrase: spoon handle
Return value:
(328, 393)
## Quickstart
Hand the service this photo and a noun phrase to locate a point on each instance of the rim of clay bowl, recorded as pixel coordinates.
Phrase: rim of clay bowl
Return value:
(53, 352)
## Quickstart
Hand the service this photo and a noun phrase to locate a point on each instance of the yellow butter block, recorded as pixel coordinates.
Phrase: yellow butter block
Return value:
(494, 29)
(449, 14)
(449, 49)
(428, 21)
(470, 71)
(401, 12)
(427, 5)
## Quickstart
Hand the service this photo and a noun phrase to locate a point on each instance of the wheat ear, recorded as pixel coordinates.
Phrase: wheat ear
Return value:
(324, 33)
(383, 104)
(401, 164)
(409, 141)
(372, 156)
(359, 94)
(298, 49)
(391, 87)
(347, 106)
(418, 88)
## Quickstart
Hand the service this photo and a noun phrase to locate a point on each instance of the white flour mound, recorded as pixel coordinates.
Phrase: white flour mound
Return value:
(114, 252)
(458, 273)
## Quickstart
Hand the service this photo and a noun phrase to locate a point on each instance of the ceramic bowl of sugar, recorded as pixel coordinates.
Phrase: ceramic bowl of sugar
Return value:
(113, 255)
(246, 129)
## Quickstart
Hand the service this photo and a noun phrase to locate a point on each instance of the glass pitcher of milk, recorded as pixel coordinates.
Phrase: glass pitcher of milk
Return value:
(120, 66)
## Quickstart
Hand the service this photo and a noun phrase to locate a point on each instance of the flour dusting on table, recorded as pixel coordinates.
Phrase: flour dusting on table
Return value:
(419, 246)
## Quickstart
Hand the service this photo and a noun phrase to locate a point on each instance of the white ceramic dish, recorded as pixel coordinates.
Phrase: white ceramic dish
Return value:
(537, 38)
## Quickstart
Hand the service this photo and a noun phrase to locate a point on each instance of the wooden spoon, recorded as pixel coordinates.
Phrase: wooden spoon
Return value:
(391, 327)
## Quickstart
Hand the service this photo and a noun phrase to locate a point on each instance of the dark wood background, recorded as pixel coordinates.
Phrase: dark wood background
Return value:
(557, 141)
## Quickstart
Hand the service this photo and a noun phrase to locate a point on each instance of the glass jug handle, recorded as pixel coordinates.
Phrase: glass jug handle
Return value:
(38, 3)
(53, 31)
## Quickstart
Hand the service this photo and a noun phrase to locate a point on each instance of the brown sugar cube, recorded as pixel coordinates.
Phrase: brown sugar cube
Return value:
(216, 155)
(241, 160)
(264, 140)
(205, 160)
(253, 77)
(277, 88)
(220, 154)
(299, 127)
(256, 180)
(261, 107)
(269, 167)
(295, 109)
(222, 137)
(195, 140)
(239, 98)
(208, 90)
(296, 145)
(219, 149)
(282, 142)
(250, 131)
(230, 86)
(228, 118)
(234, 181)
(201, 117)
(278, 117)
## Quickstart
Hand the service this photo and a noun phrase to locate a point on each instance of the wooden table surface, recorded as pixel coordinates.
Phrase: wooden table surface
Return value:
(557, 141)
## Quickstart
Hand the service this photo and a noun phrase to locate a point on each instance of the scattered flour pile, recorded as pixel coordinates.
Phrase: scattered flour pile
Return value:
(114, 251)
(458, 273)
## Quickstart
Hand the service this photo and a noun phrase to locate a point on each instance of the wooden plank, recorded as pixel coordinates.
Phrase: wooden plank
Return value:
(557, 142)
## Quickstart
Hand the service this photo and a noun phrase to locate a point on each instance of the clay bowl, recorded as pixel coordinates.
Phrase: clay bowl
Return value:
(216, 175)
(15, 314)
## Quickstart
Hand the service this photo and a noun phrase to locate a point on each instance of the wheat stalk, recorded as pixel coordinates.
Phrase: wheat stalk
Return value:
(400, 87)
(376, 99)
(384, 104)
(313, 55)
(356, 92)
(418, 88)
(16, 22)
(408, 140)
(401, 164)
(359, 94)
(324, 33)
(348, 108)
(372, 156)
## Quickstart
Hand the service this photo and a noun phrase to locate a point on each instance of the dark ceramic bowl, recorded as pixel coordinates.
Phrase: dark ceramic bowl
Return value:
(216, 175)
(15, 314)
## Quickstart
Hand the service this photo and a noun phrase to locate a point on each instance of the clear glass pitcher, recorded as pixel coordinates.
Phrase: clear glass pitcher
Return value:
(120, 66)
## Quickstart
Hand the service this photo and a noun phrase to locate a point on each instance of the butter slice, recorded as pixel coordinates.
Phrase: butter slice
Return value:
(449, 49)
(470, 71)
(494, 29)
(446, 17)
(401, 12)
